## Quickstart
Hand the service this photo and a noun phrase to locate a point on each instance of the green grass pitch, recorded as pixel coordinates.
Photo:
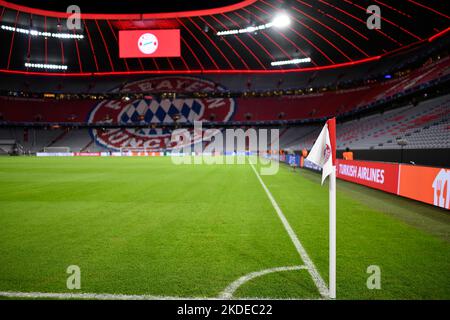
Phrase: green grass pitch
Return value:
(146, 226)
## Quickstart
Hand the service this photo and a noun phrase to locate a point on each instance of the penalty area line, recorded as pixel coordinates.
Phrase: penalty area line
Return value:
(315, 275)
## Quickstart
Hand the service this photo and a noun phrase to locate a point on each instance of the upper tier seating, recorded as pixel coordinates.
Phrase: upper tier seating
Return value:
(308, 106)
(426, 125)
(423, 126)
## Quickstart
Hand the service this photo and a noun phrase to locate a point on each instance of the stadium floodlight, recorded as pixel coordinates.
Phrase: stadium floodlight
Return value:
(45, 66)
(36, 33)
(293, 61)
(281, 20)
(245, 30)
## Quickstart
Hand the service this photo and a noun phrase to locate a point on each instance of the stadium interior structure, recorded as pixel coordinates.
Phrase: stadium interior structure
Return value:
(289, 65)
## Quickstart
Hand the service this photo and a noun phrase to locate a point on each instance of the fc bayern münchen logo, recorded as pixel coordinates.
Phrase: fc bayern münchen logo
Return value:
(326, 153)
(152, 111)
(148, 43)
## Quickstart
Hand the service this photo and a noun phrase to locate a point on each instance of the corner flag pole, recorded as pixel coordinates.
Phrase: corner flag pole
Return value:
(325, 146)
(332, 197)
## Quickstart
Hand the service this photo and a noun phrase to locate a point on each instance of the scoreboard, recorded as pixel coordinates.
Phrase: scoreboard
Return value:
(149, 43)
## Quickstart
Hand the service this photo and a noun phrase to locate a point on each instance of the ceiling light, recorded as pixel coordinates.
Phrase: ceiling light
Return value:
(280, 21)
(43, 34)
(46, 66)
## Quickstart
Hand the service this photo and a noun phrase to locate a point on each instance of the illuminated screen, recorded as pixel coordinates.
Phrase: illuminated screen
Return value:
(149, 43)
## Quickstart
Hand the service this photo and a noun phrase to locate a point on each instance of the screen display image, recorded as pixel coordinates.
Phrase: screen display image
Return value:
(149, 43)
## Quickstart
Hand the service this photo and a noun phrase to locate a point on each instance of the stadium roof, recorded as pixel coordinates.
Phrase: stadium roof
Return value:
(331, 33)
(131, 6)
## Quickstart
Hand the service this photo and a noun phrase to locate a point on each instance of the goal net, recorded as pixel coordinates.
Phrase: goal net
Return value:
(9, 146)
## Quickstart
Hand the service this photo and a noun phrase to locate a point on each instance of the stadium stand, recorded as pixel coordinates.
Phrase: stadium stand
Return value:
(423, 126)
(295, 107)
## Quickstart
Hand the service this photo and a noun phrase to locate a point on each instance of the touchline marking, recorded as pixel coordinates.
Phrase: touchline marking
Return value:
(231, 289)
(117, 296)
(225, 294)
(94, 296)
(318, 281)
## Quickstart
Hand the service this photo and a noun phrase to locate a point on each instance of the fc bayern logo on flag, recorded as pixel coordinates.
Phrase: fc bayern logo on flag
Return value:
(326, 153)
(156, 112)
(148, 43)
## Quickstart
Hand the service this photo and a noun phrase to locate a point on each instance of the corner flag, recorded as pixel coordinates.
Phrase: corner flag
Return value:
(323, 154)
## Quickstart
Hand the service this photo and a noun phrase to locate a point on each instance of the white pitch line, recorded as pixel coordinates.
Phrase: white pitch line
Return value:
(117, 296)
(94, 296)
(318, 281)
(231, 289)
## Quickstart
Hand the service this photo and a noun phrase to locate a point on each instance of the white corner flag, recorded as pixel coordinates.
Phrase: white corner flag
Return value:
(323, 154)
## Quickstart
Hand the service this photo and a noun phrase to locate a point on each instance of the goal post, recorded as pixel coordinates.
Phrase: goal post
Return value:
(10, 147)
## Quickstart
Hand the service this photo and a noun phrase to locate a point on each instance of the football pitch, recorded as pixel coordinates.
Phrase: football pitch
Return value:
(146, 228)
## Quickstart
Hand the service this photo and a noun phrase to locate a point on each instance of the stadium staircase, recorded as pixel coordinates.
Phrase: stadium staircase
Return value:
(86, 147)
(58, 138)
